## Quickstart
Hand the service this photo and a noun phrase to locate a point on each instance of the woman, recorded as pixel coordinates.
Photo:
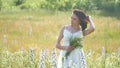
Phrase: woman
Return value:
(77, 28)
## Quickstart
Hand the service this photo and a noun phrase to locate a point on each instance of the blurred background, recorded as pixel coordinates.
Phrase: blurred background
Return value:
(36, 24)
(25, 23)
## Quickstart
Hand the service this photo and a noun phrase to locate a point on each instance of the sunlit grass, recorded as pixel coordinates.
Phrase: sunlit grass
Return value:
(45, 25)
(20, 30)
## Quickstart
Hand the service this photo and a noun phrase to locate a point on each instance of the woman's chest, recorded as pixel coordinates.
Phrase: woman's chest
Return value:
(67, 34)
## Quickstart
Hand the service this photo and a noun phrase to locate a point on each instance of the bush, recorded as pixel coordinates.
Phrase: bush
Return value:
(109, 5)
(87, 5)
(18, 2)
(68, 4)
(117, 6)
(50, 4)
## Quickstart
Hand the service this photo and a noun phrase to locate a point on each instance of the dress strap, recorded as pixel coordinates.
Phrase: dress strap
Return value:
(65, 27)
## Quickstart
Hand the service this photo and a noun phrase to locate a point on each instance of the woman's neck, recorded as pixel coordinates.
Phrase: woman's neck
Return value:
(76, 27)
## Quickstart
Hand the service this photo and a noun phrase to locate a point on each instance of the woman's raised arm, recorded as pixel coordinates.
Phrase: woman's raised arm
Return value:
(91, 28)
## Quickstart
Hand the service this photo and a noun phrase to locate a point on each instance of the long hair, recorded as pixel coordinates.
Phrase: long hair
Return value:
(82, 17)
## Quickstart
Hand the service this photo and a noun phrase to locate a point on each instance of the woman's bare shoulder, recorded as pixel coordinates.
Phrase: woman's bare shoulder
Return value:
(67, 26)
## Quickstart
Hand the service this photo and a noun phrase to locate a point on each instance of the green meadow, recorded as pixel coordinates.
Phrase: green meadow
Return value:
(29, 30)
(40, 29)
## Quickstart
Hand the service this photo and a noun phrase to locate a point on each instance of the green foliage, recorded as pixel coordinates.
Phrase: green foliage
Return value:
(66, 4)
(63, 5)
(85, 5)
(49, 4)
(109, 5)
(75, 43)
(112, 5)
(19, 2)
(0, 4)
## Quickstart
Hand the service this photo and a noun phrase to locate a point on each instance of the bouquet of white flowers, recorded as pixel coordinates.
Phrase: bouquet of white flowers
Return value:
(75, 43)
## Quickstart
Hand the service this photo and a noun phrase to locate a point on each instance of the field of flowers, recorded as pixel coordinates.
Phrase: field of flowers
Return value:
(48, 59)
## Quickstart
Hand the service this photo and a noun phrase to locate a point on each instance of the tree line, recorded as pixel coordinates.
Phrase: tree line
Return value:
(62, 5)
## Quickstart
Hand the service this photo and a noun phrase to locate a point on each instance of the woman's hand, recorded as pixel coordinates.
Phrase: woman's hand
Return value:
(69, 48)
(88, 18)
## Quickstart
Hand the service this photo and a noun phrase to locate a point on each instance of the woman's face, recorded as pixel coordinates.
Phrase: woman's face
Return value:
(74, 20)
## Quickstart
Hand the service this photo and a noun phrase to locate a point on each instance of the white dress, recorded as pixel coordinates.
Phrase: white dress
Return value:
(76, 58)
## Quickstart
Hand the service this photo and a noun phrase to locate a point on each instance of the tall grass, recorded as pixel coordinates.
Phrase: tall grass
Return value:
(40, 29)
(48, 59)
